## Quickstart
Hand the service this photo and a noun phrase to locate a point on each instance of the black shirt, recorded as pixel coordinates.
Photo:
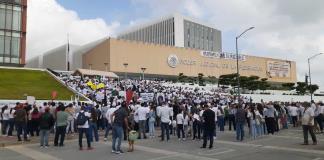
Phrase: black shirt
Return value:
(209, 119)
(120, 115)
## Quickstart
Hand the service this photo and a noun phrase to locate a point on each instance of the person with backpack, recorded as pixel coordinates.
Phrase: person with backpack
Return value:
(46, 122)
(82, 121)
(61, 123)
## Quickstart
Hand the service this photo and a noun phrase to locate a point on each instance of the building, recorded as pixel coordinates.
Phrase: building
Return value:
(177, 30)
(168, 61)
(13, 15)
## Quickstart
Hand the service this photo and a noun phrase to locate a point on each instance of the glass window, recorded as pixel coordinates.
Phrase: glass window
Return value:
(2, 18)
(15, 47)
(8, 19)
(7, 46)
(6, 60)
(1, 45)
(16, 20)
(14, 60)
(17, 1)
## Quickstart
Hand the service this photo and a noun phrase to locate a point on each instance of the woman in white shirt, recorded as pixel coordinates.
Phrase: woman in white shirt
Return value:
(5, 119)
(180, 121)
(11, 121)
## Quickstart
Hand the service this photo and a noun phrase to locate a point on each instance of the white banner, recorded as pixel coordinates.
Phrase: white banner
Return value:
(147, 97)
(278, 69)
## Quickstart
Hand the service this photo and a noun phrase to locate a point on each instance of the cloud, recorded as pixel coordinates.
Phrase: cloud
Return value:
(289, 29)
(49, 23)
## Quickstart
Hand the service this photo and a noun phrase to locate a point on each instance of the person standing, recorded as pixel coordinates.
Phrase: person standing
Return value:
(5, 119)
(152, 118)
(82, 122)
(308, 124)
(109, 112)
(70, 123)
(165, 113)
(61, 122)
(231, 117)
(240, 122)
(46, 122)
(119, 118)
(208, 119)
(93, 129)
(180, 122)
(142, 113)
(21, 122)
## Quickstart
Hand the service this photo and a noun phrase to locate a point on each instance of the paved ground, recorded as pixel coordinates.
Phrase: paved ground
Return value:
(282, 146)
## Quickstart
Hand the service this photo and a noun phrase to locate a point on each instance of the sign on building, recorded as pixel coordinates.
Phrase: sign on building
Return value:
(278, 69)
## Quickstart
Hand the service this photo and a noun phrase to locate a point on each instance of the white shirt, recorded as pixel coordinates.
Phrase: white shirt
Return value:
(110, 111)
(142, 113)
(293, 111)
(165, 113)
(180, 118)
(309, 114)
(186, 120)
(5, 114)
(215, 109)
(86, 125)
(12, 114)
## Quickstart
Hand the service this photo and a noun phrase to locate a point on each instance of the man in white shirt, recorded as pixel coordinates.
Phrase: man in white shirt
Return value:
(109, 112)
(142, 116)
(293, 111)
(165, 113)
(308, 124)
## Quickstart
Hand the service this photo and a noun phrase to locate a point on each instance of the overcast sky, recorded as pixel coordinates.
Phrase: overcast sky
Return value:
(285, 29)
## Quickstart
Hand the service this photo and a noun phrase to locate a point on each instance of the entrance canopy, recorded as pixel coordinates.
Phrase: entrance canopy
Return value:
(89, 72)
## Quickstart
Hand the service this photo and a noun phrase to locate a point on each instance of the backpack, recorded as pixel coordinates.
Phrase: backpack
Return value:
(81, 119)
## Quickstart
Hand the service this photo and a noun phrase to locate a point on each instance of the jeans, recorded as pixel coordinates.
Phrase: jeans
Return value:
(231, 120)
(34, 124)
(294, 120)
(142, 126)
(44, 137)
(180, 129)
(165, 130)
(208, 134)
(93, 130)
(60, 133)
(11, 126)
(21, 128)
(117, 132)
(259, 129)
(221, 122)
(310, 129)
(86, 132)
(196, 129)
(108, 127)
(319, 120)
(70, 126)
(151, 128)
(5, 125)
(253, 129)
(239, 131)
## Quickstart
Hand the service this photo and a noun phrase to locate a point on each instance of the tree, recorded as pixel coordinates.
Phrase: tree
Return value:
(263, 84)
(288, 86)
(200, 79)
(312, 88)
(253, 83)
(228, 79)
(182, 77)
(301, 88)
(212, 79)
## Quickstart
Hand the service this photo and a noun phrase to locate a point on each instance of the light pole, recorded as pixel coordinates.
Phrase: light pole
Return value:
(125, 65)
(143, 70)
(237, 64)
(309, 73)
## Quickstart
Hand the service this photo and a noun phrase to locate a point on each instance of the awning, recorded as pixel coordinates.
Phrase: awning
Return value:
(95, 73)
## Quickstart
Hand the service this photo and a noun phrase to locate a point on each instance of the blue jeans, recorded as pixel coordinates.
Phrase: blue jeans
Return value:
(86, 132)
(93, 130)
(5, 125)
(44, 137)
(239, 131)
(108, 127)
(221, 122)
(165, 130)
(117, 132)
(253, 129)
(151, 128)
(11, 126)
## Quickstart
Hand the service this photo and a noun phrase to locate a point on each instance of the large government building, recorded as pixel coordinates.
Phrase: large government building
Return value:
(191, 49)
(13, 15)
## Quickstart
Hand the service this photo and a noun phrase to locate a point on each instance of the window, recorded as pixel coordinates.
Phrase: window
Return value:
(1, 45)
(16, 19)
(8, 19)
(7, 46)
(2, 18)
(15, 47)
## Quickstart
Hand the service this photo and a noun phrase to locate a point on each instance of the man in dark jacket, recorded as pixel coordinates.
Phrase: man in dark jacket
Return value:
(21, 122)
(46, 123)
(209, 126)
(240, 121)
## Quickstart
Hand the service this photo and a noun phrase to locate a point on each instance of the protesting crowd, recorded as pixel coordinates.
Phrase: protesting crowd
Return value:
(135, 109)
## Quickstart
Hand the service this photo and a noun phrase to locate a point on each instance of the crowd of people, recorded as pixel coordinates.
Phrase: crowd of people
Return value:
(134, 109)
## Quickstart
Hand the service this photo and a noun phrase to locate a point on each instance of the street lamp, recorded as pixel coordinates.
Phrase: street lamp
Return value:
(237, 63)
(143, 70)
(309, 72)
(125, 65)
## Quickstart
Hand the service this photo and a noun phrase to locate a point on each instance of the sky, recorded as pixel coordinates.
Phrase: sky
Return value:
(289, 29)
